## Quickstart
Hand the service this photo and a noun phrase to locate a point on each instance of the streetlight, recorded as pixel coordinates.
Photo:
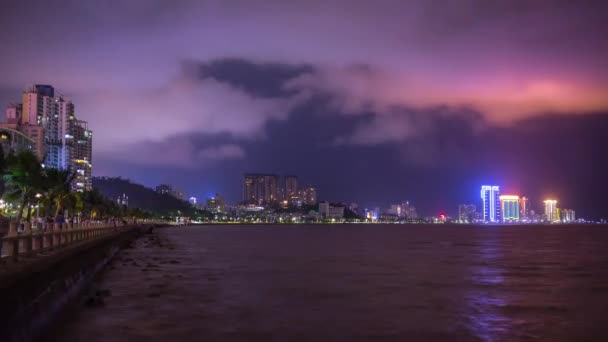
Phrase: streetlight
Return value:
(38, 196)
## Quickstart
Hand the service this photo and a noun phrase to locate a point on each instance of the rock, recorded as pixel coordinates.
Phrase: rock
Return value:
(94, 301)
(103, 293)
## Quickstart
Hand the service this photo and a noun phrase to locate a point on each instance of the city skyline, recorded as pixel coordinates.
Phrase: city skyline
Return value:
(45, 123)
(374, 104)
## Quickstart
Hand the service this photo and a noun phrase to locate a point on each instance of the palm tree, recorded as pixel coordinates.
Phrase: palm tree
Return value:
(23, 179)
(58, 184)
(2, 170)
(94, 204)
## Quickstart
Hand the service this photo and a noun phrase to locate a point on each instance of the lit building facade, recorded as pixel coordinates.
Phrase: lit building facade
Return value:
(568, 216)
(551, 210)
(291, 189)
(81, 155)
(59, 140)
(308, 195)
(215, 204)
(490, 203)
(509, 208)
(328, 211)
(524, 209)
(261, 189)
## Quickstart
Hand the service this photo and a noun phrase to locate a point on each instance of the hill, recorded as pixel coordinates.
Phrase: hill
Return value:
(140, 196)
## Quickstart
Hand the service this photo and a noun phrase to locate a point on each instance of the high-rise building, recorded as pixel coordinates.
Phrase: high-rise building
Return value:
(408, 211)
(568, 216)
(260, 189)
(58, 139)
(308, 195)
(192, 200)
(509, 208)
(81, 156)
(524, 209)
(490, 203)
(467, 213)
(551, 210)
(13, 113)
(291, 189)
(215, 204)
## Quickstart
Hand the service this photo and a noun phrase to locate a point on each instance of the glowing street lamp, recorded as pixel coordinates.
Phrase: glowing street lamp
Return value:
(38, 196)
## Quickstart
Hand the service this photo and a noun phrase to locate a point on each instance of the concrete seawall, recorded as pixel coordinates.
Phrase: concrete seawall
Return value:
(33, 295)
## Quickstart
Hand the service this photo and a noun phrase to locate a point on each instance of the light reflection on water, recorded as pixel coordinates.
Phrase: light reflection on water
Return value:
(484, 300)
(354, 283)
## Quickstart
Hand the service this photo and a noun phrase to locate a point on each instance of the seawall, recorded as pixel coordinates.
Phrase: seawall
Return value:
(33, 294)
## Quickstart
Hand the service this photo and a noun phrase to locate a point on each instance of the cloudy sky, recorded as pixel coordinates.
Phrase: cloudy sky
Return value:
(370, 101)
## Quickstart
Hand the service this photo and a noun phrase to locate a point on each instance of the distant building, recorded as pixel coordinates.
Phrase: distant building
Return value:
(216, 204)
(308, 196)
(490, 203)
(123, 200)
(524, 209)
(192, 200)
(389, 217)
(551, 210)
(408, 211)
(395, 209)
(261, 189)
(166, 189)
(509, 208)
(467, 213)
(328, 211)
(568, 216)
(291, 189)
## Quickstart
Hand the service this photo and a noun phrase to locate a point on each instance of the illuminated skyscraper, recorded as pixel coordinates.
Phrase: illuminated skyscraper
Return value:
(551, 210)
(524, 210)
(291, 188)
(58, 139)
(490, 203)
(509, 207)
(260, 189)
(568, 216)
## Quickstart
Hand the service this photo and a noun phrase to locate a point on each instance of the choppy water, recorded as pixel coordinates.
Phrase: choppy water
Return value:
(354, 283)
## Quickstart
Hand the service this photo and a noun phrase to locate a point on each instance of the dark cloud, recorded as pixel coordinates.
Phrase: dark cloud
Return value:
(258, 79)
(370, 101)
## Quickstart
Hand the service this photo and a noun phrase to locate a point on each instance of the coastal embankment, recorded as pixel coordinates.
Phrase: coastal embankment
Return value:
(35, 289)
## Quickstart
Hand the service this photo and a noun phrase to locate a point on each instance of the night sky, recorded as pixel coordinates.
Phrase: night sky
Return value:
(370, 101)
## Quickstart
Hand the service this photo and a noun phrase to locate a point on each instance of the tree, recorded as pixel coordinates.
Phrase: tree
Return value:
(23, 179)
(2, 170)
(94, 204)
(58, 185)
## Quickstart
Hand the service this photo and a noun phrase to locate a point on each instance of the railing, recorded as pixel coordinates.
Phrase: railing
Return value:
(32, 241)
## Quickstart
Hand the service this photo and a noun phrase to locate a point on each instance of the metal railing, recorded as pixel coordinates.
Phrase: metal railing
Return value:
(32, 241)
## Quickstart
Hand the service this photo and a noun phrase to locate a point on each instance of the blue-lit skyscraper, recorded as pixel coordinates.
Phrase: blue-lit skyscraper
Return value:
(490, 203)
